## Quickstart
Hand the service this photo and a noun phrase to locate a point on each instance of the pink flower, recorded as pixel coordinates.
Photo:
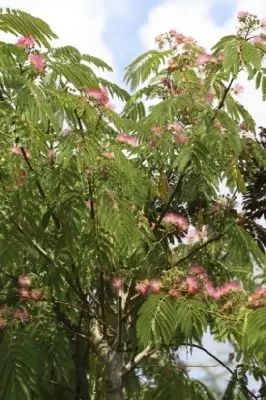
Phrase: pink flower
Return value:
(179, 38)
(157, 130)
(211, 95)
(172, 32)
(155, 286)
(21, 314)
(25, 42)
(197, 270)
(24, 280)
(202, 59)
(257, 39)
(221, 56)
(220, 127)
(22, 177)
(238, 89)
(244, 127)
(211, 291)
(242, 15)
(108, 154)
(213, 60)
(181, 138)
(192, 284)
(263, 23)
(24, 293)
(193, 237)
(38, 62)
(101, 95)
(18, 151)
(176, 219)
(3, 323)
(36, 294)
(174, 293)
(176, 127)
(90, 204)
(143, 287)
(117, 283)
(131, 140)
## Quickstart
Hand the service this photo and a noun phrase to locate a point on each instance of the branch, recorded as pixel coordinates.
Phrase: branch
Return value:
(41, 191)
(139, 357)
(195, 250)
(216, 359)
(167, 206)
(40, 250)
(221, 104)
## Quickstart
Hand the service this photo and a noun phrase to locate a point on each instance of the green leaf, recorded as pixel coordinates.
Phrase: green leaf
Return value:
(250, 54)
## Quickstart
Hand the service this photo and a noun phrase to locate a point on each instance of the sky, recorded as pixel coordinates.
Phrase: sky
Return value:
(119, 30)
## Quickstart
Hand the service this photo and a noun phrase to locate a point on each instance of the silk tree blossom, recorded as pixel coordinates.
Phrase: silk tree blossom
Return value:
(22, 315)
(238, 89)
(242, 15)
(192, 284)
(36, 294)
(143, 287)
(197, 270)
(18, 151)
(157, 130)
(257, 39)
(108, 154)
(194, 237)
(155, 286)
(117, 283)
(180, 138)
(24, 280)
(24, 293)
(175, 126)
(131, 140)
(220, 127)
(3, 323)
(263, 24)
(219, 291)
(38, 62)
(174, 293)
(26, 42)
(176, 219)
(100, 95)
(244, 127)
(202, 59)
(160, 40)
(221, 56)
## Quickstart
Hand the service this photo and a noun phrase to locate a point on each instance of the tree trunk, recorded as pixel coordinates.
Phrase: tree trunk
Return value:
(115, 389)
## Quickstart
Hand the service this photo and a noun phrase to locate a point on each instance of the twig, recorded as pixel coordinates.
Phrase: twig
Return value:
(139, 357)
(41, 191)
(168, 204)
(195, 250)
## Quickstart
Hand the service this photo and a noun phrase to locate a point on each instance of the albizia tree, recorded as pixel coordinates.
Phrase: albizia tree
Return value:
(116, 248)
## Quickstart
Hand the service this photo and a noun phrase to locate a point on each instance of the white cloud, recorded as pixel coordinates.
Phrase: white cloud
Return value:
(192, 18)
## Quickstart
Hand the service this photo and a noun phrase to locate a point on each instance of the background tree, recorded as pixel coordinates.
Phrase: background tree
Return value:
(116, 247)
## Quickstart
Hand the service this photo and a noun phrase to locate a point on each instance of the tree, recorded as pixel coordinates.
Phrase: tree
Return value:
(117, 248)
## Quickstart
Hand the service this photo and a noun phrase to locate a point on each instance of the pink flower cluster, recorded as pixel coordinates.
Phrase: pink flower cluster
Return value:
(131, 140)
(100, 96)
(258, 298)
(197, 282)
(176, 219)
(18, 151)
(143, 287)
(25, 293)
(8, 312)
(25, 42)
(196, 236)
(38, 62)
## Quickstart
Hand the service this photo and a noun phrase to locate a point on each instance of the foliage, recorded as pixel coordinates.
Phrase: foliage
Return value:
(117, 248)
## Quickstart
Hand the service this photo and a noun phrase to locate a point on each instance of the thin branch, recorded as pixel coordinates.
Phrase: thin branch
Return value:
(216, 359)
(39, 186)
(221, 104)
(168, 204)
(139, 357)
(37, 247)
(196, 249)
